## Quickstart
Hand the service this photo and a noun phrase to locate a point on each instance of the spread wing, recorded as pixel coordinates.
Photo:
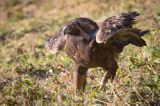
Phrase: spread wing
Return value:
(56, 42)
(119, 31)
(113, 24)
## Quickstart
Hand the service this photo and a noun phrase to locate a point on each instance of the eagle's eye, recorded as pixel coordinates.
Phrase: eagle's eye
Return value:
(71, 30)
(67, 30)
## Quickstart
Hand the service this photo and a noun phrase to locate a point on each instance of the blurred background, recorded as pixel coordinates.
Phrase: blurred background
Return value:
(30, 75)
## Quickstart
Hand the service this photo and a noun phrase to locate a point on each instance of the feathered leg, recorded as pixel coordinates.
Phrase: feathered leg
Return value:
(79, 78)
(109, 74)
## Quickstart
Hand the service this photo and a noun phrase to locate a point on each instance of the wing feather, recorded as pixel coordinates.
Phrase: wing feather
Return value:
(113, 24)
(125, 36)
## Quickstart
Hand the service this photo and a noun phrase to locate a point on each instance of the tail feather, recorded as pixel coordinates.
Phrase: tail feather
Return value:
(129, 36)
(138, 31)
(138, 42)
(143, 32)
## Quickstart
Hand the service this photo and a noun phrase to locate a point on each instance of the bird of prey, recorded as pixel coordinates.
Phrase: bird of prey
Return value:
(90, 45)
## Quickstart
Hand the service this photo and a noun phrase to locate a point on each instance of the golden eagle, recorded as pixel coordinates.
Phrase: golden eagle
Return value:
(90, 45)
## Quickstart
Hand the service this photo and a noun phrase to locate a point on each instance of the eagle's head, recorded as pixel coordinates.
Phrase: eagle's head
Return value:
(72, 28)
(75, 27)
(78, 25)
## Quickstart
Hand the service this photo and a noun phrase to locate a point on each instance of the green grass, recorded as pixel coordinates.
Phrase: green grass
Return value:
(30, 75)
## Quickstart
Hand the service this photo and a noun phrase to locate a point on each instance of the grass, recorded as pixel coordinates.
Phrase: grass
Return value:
(30, 75)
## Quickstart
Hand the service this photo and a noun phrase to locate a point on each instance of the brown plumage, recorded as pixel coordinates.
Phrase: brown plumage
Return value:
(92, 46)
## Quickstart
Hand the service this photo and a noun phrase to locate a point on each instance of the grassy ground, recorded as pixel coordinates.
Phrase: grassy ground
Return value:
(30, 75)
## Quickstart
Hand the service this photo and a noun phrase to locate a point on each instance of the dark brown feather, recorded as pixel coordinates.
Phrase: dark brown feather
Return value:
(113, 24)
(56, 42)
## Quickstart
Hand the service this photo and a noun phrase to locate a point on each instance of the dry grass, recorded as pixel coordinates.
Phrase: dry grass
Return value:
(29, 75)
